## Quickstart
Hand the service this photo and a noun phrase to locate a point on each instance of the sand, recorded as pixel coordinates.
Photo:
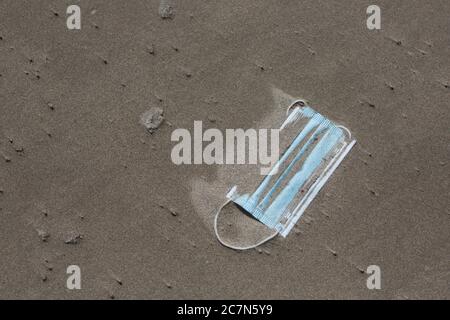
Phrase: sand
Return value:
(84, 183)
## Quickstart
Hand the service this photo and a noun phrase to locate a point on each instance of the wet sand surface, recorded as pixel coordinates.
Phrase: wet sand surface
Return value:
(82, 182)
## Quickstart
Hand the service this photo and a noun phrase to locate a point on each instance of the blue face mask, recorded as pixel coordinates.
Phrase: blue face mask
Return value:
(316, 146)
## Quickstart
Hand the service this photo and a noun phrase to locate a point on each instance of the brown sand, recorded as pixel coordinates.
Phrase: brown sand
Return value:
(84, 183)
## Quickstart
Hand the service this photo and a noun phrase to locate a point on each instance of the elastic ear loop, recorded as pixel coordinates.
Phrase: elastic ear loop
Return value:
(346, 130)
(297, 103)
(232, 246)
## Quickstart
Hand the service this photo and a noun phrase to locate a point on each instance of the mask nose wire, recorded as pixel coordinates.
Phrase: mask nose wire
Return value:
(233, 246)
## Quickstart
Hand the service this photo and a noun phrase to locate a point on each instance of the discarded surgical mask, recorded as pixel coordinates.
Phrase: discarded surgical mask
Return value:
(313, 148)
